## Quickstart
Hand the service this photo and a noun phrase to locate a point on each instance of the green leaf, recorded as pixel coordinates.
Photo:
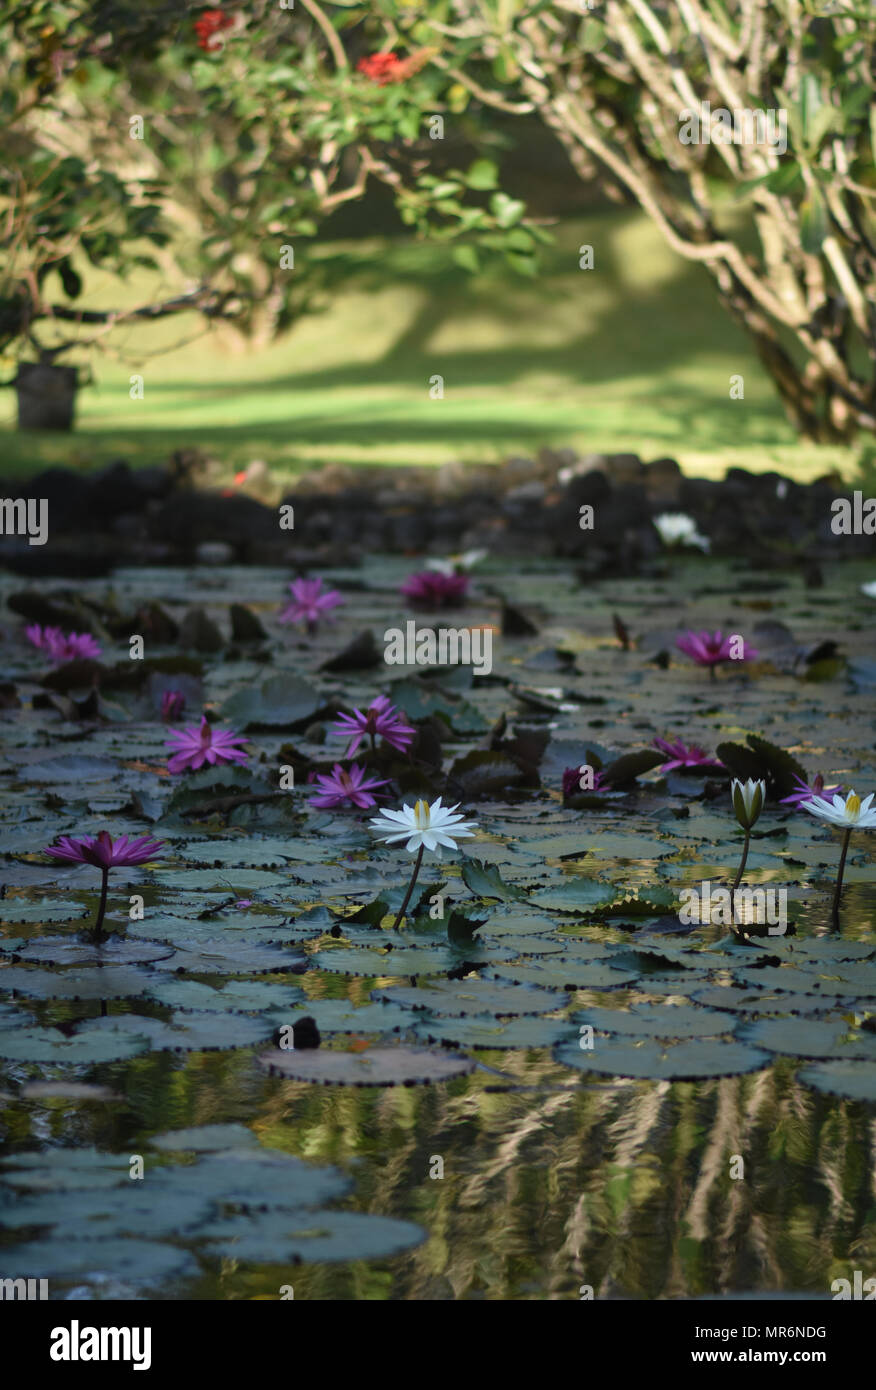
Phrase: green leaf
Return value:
(467, 257)
(486, 881)
(814, 225)
(483, 174)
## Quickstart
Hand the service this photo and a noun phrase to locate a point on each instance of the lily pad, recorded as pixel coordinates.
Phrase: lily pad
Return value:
(377, 1066)
(141, 1263)
(457, 998)
(683, 1061)
(112, 982)
(311, 1237)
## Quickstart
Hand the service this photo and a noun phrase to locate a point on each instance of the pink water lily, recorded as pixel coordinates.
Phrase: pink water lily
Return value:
(380, 720)
(711, 650)
(105, 853)
(62, 647)
(196, 746)
(309, 604)
(432, 589)
(341, 785)
(680, 755)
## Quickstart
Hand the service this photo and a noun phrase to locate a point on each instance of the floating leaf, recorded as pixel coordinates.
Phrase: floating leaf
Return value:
(378, 1066)
(683, 1061)
(315, 1237)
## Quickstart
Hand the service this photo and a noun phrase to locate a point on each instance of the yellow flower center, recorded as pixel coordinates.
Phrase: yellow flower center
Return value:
(421, 815)
(853, 805)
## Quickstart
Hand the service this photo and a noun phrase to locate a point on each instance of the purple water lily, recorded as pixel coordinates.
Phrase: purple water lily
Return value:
(572, 783)
(432, 589)
(105, 853)
(196, 746)
(62, 647)
(380, 720)
(173, 702)
(309, 604)
(342, 786)
(803, 792)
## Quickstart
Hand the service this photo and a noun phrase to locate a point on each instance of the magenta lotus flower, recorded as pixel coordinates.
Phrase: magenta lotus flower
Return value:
(103, 851)
(61, 648)
(803, 792)
(572, 783)
(197, 746)
(684, 756)
(340, 786)
(105, 854)
(173, 702)
(432, 589)
(309, 603)
(380, 719)
(708, 650)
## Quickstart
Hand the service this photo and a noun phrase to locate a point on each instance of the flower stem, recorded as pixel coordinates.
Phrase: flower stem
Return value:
(403, 908)
(742, 862)
(97, 929)
(839, 874)
(712, 675)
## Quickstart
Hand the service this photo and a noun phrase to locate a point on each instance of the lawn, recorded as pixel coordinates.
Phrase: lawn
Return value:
(635, 354)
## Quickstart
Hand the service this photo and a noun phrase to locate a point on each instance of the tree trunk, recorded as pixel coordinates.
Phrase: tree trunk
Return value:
(46, 396)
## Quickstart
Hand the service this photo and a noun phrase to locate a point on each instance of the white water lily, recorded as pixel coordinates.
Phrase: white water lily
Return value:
(424, 826)
(850, 811)
(748, 798)
(869, 589)
(457, 564)
(676, 528)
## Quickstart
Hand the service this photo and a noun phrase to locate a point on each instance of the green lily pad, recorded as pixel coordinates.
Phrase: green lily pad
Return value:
(489, 1031)
(853, 1080)
(377, 1066)
(205, 1139)
(112, 982)
(657, 1021)
(457, 998)
(649, 1060)
(311, 1237)
(141, 1263)
(87, 1046)
(820, 1038)
(576, 895)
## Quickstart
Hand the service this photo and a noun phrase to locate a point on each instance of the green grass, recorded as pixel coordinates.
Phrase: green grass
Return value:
(635, 354)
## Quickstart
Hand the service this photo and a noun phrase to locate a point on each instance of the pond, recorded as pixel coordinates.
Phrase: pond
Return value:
(546, 1081)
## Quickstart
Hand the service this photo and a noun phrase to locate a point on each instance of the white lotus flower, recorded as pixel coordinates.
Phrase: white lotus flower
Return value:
(676, 528)
(456, 564)
(748, 798)
(869, 589)
(424, 826)
(850, 811)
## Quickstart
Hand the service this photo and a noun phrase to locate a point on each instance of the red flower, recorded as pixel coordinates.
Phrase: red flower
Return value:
(210, 23)
(384, 68)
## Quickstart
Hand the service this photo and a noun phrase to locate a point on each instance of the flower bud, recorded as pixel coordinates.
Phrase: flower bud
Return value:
(748, 798)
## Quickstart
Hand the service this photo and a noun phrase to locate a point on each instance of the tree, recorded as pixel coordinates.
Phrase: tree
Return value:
(212, 144)
(744, 128)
